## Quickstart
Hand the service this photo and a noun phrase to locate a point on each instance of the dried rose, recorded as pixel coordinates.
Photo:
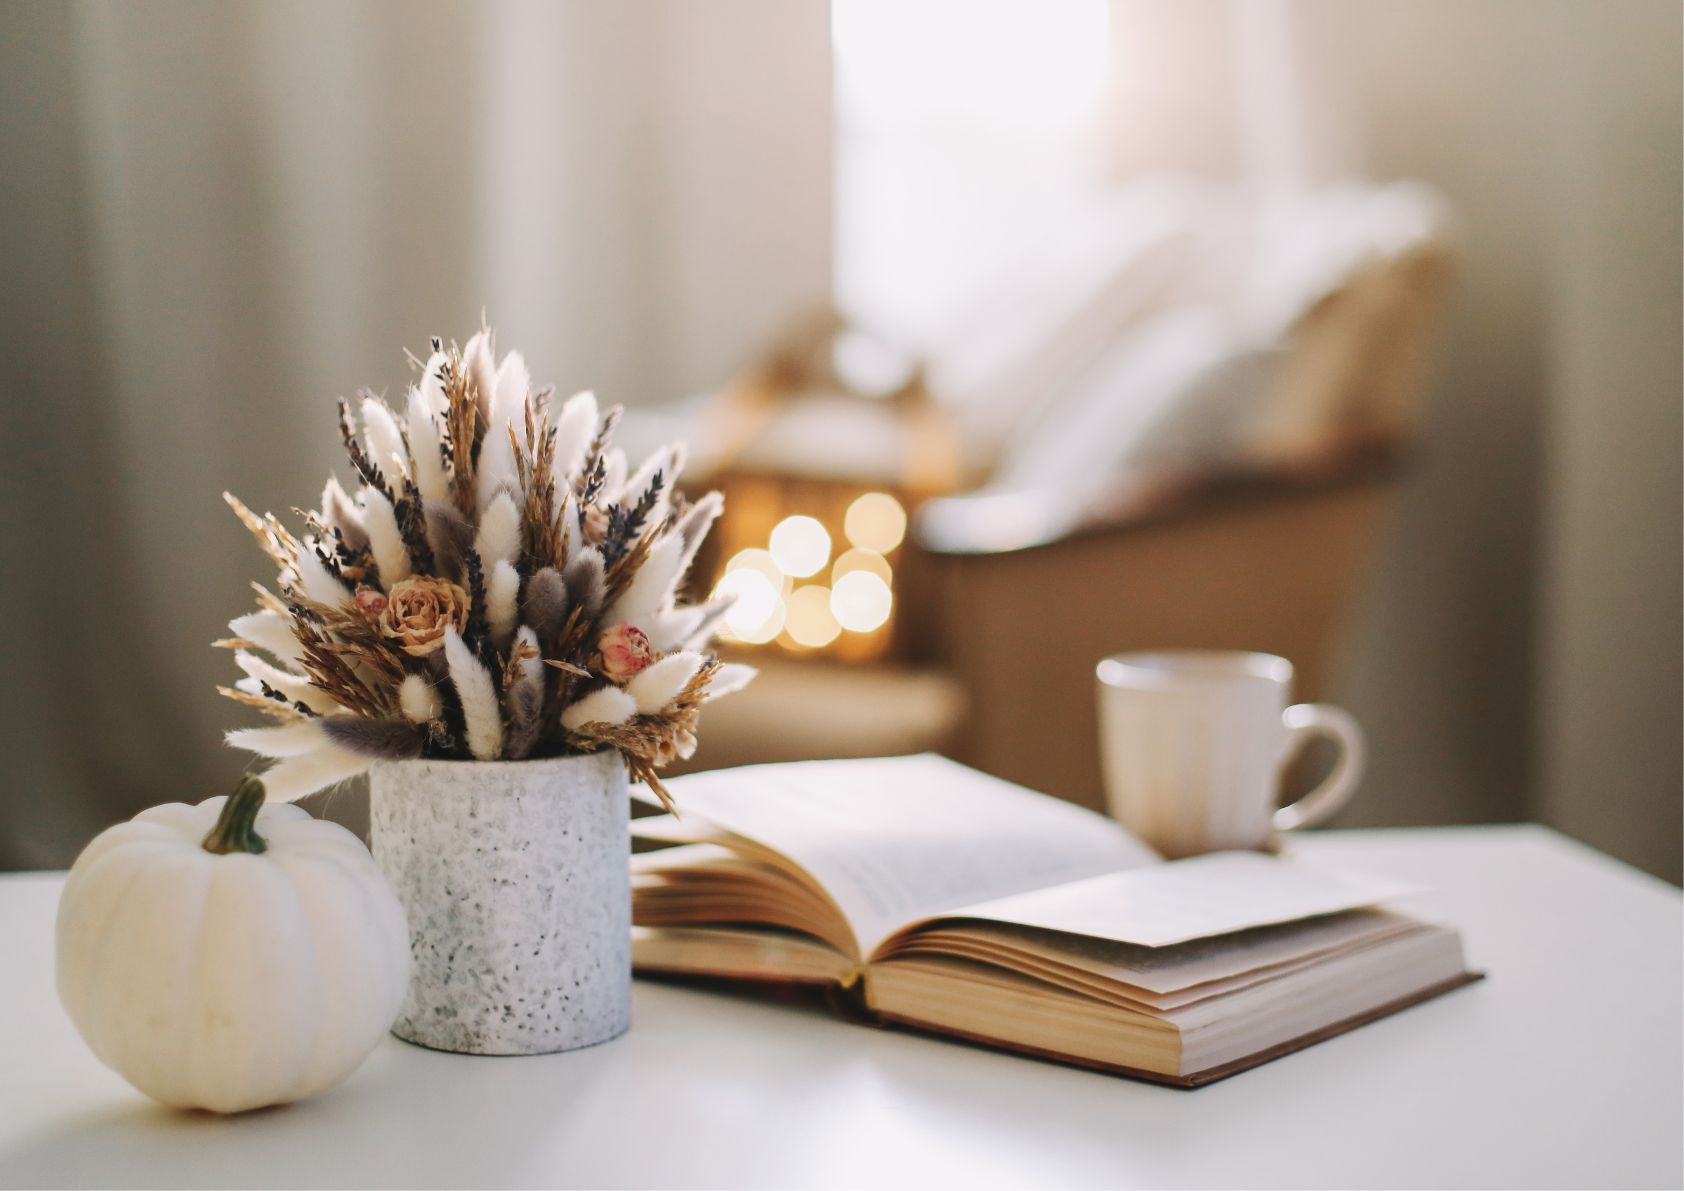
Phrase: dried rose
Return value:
(418, 610)
(623, 651)
(370, 602)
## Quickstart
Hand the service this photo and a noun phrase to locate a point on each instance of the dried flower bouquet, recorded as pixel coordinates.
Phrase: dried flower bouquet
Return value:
(499, 588)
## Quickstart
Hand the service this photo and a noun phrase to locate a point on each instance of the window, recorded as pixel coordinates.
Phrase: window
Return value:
(963, 127)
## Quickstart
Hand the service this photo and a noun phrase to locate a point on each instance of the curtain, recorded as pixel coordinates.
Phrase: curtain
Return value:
(220, 217)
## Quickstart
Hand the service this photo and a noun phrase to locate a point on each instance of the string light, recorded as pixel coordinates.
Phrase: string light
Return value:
(862, 560)
(860, 601)
(800, 546)
(876, 522)
(758, 613)
(770, 601)
(759, 560)
(809, 621)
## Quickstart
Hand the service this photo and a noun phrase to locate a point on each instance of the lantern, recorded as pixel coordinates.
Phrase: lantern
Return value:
(822, 451)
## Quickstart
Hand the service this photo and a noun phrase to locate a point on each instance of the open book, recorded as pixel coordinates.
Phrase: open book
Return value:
(951, 901)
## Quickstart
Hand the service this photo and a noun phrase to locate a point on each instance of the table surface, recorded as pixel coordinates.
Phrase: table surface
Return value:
(1561, 1069)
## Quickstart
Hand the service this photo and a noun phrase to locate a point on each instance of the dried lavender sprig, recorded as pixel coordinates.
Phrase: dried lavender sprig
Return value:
(411, 513)
(625, 524)
(595, 469)
(477, 635)
(366, 468)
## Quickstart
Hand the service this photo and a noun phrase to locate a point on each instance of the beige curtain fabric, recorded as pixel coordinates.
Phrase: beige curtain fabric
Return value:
(219, 217)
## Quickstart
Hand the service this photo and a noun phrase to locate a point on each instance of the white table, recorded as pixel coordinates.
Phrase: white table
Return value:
(1562, 1069)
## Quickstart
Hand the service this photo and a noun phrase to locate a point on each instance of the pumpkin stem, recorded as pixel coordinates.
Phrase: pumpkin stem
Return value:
(236, 829)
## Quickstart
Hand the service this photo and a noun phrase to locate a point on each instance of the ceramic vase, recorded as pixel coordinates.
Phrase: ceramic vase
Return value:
(516, 879)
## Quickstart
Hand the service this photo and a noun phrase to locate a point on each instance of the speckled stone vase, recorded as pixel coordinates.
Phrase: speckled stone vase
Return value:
(517, 882)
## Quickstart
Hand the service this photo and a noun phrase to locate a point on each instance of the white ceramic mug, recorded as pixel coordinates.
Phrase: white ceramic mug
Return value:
(1193, 743)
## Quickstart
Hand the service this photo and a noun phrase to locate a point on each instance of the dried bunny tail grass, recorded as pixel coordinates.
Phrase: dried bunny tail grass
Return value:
(426, 458)
(613, 474)
(419, 700)
(268, 631)
(324, 766)
(651, 741)
(606, 707)
(574, 428)
(693, 527)
(286, 740)
(712, 613)
(482, 721)
(479, 365)
(728, 678)
(434, 376)
(340, 513)
(545, 606)
(586, 583)
(293, 686)
(504, 425)
(673, 628)
(380, 431)
(663, 681)
(651, 584)
(502, 596)
(572, 518)
(523, 695)
(496, 470)
(376, 739)
(281, 547)
(385, 539)
(514, 388)
(316, 582)
(499, 531)
(451, 537)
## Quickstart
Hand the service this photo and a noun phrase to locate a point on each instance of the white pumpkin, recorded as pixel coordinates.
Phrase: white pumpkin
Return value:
(230, 955)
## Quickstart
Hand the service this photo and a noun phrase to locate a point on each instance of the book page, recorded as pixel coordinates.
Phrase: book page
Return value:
(1198, 898)
(896, 839)
(1166, 976)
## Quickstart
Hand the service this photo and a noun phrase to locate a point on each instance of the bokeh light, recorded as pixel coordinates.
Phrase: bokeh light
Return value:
(860, 601)
(810, 621)
(758, 605)
(759, 560)
(861, 560)
(875, 521)
(800, 546)
(766, 630)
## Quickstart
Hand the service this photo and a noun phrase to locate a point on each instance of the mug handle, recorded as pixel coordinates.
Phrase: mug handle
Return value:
(1304, 721)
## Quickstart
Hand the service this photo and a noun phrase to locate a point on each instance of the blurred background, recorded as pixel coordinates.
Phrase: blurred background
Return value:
(1017, 333)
